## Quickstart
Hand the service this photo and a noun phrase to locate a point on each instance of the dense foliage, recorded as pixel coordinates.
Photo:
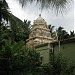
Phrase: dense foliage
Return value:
(17, 59)
(11, 26)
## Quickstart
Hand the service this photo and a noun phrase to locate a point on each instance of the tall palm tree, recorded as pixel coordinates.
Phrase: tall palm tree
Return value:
(59, 35)
(62, 34)
(26, 26)
(59, 32)
(72, 34)
(51, 28)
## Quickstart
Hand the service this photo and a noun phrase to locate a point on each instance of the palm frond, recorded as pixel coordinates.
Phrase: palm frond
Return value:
(58, 5)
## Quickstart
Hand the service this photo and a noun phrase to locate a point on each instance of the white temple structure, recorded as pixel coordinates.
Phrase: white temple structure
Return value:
(39, 33)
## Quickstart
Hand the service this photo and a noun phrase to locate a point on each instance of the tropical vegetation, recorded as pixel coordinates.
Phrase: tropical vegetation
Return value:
(60, 33)
(15, 57)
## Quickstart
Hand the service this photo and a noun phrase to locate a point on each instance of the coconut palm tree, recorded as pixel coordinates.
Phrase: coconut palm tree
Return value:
(59, 32)
(51, 28)
(62, 34)
(72, 34)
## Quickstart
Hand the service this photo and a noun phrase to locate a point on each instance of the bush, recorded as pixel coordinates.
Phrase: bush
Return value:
(17, 59)
(59, 66)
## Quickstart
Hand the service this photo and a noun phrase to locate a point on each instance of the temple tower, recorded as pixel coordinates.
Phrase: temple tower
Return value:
(39, 33)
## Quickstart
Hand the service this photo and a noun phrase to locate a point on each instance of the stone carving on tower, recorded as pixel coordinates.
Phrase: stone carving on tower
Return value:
(39, 33)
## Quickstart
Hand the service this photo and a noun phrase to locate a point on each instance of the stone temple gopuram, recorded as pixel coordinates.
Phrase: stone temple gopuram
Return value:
(39, 33)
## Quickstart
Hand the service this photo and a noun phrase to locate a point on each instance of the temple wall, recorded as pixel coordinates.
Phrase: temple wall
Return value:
(68, 50)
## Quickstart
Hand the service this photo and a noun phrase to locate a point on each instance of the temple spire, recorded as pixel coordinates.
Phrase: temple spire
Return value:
(40, 15)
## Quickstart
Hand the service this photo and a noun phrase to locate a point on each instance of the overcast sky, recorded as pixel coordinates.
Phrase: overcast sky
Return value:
(31, 12)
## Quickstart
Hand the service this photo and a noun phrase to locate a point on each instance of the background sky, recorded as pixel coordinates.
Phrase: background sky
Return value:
(31, 12)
